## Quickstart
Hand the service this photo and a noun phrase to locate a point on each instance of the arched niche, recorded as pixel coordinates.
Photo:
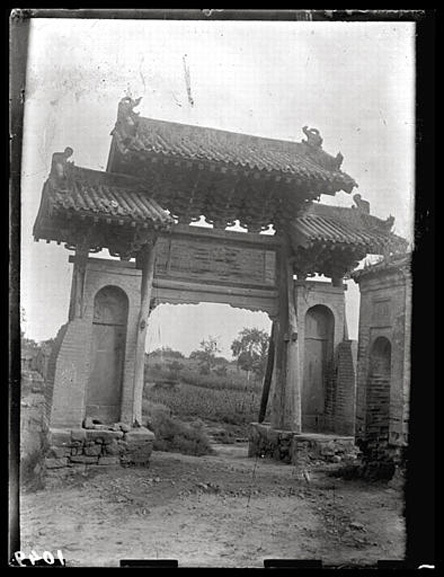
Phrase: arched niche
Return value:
(378, 390)
(107, 357)
(318, 355)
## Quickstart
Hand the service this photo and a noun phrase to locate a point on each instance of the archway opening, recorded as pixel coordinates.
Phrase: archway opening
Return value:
(378, 391)
(318, 360)
(104, 391)
(193, 375)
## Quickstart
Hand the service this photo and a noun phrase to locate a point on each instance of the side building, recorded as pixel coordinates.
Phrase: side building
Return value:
(383, 370)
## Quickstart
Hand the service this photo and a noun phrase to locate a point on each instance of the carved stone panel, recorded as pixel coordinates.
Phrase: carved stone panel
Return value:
(210, 262)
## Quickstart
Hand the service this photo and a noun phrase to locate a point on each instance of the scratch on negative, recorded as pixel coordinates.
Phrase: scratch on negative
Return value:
(187, 80)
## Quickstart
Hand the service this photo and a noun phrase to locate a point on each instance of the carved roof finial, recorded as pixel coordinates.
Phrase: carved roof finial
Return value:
(339, 159)
(313, 135)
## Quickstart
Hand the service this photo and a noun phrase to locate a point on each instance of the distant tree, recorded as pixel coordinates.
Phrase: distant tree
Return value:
(206, 355)
(174, 369)
(250, 349)
(167, 352)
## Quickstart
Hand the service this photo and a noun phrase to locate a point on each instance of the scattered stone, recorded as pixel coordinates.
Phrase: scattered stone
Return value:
(336, 459)
(357, 526)
(88, 423)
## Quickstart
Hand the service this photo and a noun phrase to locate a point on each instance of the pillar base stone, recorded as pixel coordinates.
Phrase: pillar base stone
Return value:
(299, 448)
(104, 445)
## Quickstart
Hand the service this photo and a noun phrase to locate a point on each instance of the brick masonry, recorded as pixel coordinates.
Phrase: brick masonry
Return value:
(382, 403)
(70, 363)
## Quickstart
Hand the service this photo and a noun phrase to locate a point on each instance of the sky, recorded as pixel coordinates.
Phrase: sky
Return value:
(354, 81)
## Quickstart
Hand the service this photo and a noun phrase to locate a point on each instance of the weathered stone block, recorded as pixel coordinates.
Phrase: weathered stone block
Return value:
(78, 434)
(59, 437)
(122, 427)
(114, 448)
(85, 459)
(92, 450)
(76, 448)
(139, 435)
(88, 423)
(103, 436)
(53, 463)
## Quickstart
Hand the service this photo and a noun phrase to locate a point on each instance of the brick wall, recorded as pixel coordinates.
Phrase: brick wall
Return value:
(345, 389)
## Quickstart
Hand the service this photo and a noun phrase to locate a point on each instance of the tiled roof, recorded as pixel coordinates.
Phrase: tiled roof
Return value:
(344, 226)
(241, 151)
(106, 196)
(393, 262)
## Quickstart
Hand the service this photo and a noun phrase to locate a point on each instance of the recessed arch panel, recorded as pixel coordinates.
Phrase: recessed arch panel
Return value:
(378, 390)
(107, 358)
(318, 352)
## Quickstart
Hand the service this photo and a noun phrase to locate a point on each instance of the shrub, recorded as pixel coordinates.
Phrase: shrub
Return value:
(221, 370)
(32, 463)
(32, 472)
(173, 435)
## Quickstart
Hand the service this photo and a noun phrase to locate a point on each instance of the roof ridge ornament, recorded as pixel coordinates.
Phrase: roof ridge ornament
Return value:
(127, 118)
(362, 205)
(314, 138)
(60, 166)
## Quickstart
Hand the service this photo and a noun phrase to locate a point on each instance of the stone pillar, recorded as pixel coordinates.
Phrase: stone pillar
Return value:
(78, 283)
(268, 374)
(146, 262)
(286, 412)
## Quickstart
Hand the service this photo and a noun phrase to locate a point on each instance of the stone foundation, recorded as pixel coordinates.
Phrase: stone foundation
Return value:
(116, 445)
(298, 449)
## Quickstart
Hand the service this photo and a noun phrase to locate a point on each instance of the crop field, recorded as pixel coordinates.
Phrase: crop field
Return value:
(218, 405)
(229, 399)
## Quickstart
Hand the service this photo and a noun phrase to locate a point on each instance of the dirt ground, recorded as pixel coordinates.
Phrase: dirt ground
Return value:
(222, 510)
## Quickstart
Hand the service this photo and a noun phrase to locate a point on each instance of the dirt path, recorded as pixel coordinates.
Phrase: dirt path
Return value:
(223, 510)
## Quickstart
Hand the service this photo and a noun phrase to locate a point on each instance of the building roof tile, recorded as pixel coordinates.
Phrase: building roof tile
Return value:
(345, 226)
(191, 143)
(104, 195)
